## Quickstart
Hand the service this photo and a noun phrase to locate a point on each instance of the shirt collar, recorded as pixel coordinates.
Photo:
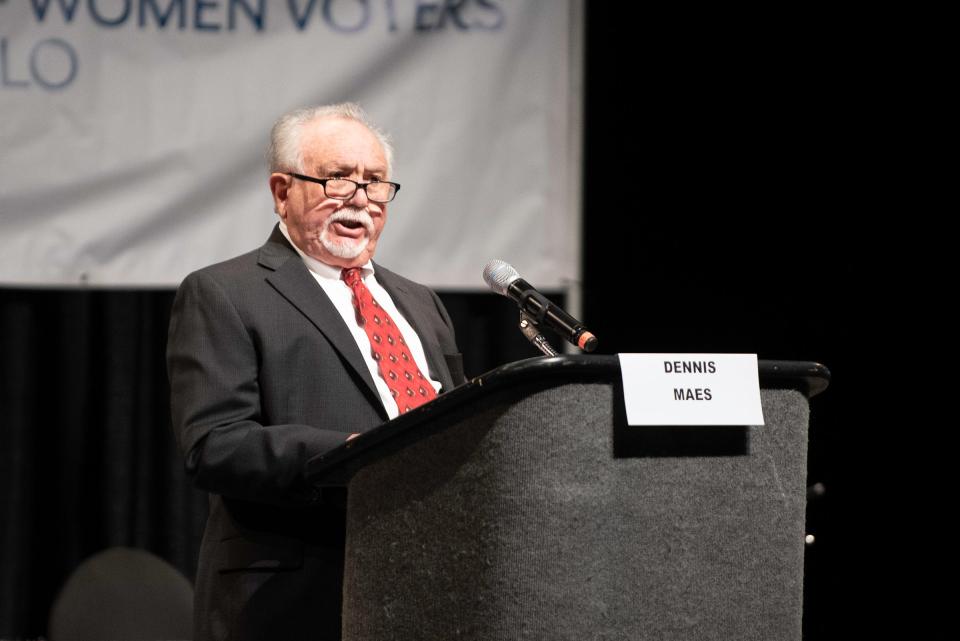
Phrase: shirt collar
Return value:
(320, 268)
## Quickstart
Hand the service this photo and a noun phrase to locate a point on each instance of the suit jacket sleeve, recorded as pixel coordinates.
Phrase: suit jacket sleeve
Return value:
(451, 355)
(215, 400)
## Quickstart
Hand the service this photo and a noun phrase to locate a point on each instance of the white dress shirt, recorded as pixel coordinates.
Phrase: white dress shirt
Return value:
(341, 296)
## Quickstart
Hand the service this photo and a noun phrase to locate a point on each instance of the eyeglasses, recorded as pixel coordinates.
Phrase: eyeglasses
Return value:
(378, 191)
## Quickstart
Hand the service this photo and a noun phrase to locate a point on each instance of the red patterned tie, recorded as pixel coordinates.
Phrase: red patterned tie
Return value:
(407, 384)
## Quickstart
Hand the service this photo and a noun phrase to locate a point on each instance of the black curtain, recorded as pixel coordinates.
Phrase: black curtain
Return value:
(88, 458)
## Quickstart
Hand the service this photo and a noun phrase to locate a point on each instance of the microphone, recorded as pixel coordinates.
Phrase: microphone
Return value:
(502, 278)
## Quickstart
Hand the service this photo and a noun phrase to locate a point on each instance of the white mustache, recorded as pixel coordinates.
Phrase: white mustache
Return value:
(353, 215)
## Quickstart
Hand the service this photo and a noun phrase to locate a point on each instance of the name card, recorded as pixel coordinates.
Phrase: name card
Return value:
(691, 389)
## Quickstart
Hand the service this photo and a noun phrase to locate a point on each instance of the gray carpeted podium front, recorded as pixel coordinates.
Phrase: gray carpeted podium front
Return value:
(531, 511)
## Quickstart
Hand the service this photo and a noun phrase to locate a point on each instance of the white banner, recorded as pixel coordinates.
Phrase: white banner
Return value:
(133, 132)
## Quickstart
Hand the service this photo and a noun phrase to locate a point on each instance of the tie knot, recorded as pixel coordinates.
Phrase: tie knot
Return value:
(351, 276)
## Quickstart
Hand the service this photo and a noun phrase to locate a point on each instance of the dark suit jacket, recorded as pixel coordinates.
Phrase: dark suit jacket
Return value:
(264, 375)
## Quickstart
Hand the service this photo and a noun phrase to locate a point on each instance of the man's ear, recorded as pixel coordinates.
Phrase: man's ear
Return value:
(279, 184)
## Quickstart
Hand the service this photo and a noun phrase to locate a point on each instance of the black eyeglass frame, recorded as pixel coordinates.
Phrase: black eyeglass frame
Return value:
(357, 185)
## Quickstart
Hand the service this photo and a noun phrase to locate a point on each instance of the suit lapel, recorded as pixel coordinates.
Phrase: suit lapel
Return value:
(291, 278)
(419, 319)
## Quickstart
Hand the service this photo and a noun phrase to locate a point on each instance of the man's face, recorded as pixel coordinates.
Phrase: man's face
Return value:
(342, 233)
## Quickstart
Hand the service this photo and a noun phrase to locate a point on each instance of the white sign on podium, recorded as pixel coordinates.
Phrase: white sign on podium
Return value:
(691, 389)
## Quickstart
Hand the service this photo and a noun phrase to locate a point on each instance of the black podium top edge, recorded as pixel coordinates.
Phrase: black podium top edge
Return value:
(336, 466)
(806, 377)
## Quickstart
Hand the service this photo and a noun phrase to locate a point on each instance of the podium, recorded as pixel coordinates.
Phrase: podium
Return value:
(521, 506)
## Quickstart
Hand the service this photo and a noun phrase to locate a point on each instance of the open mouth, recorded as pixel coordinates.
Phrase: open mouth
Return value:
(350, 228)
(351, 223)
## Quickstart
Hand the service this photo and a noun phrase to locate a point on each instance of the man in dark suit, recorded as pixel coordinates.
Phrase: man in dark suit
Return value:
(274, 358)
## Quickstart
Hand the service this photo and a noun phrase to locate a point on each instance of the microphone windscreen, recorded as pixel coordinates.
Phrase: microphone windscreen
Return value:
(498, 275)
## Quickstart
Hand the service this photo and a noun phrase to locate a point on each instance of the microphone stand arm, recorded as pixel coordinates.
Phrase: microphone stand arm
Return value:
(530, 329)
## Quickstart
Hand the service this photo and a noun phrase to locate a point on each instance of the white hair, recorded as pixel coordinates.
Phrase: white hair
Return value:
(285, 152)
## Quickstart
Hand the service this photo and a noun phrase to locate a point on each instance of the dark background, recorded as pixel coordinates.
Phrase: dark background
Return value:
(723, 212)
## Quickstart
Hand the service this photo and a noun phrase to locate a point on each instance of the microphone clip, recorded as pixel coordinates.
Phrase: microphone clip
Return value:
(537, 312)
